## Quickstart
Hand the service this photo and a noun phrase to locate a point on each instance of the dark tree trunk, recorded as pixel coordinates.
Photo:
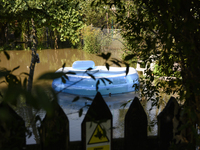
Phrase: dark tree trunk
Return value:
(6, 33)
(51, 40)
(47, 37)
(27, 38)
(34, 58)
(30, 80)
(3, 38)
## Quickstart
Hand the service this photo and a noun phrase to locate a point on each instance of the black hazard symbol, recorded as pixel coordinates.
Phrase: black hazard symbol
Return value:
(98, 136)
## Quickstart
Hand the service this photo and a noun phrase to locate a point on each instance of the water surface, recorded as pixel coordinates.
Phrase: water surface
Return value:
(51, 60)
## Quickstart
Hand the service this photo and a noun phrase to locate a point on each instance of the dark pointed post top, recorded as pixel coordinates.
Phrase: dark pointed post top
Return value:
(98, 109)
(165, 123)
(54, 129)
(97, 125)
(135, 127)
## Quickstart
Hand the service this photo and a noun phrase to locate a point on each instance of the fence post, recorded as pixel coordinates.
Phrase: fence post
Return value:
(54, 130)
(135, 128)
(12, 129)
(97, 126)
(165, 123)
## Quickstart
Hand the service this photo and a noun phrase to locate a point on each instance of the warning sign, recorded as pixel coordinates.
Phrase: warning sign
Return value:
(98, 136)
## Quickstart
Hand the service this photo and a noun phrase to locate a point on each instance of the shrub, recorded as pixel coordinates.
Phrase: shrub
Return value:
(91, 44)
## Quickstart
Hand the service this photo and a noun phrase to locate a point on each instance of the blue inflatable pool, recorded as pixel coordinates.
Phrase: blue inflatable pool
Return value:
(112, 81)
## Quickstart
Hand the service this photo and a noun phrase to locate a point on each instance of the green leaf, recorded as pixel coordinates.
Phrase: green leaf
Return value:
(107, 66)
(76, 99)
(127, 68)
(102, 27)
(25, 83)
(44, 20)
(91, 76)
(92, 4)
(63, 80)
(108, 55)
(66, 77)
(7, 55)
(136, 86)
(102, 55)
(149, 127)
(76, 4)
(97, 85)
(12, 79)
(24, 73)
(1, 95)
(15, 68)
(63, 66)
(51, 75)
(102, 79)
(4, 72)
(70, 72)
(80, 112)
(89, 69)
(38, 118)
(88, 98)
(123, 105)
(108, 80)
(105, 56)
(2, 82)
(116, 63)
(129, 57)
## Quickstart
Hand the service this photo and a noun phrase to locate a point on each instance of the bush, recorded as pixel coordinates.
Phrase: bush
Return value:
(91, 44)
(159, 71)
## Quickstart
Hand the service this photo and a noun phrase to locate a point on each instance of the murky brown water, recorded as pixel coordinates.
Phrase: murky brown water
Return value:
(51, 60)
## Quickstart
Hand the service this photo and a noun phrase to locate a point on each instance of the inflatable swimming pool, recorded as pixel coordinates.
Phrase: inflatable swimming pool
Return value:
(84, 82)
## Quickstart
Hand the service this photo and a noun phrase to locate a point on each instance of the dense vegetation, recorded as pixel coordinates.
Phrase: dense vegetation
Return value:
(168, 32)
(56, 21)
(163, 31)
(53, 19)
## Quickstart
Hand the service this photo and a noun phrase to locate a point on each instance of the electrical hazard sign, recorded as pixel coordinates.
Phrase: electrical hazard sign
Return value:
(98, 136)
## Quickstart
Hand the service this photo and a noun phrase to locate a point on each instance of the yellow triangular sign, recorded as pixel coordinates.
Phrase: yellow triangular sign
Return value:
(98, 136)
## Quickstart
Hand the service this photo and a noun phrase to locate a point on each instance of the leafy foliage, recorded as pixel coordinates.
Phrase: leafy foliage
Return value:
(163, 31)
(91, 42)
(166, 32)
(60, 16)
(18, 87)
(101, 16)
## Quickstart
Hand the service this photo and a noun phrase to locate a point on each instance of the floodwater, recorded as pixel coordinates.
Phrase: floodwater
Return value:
(51, 60)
